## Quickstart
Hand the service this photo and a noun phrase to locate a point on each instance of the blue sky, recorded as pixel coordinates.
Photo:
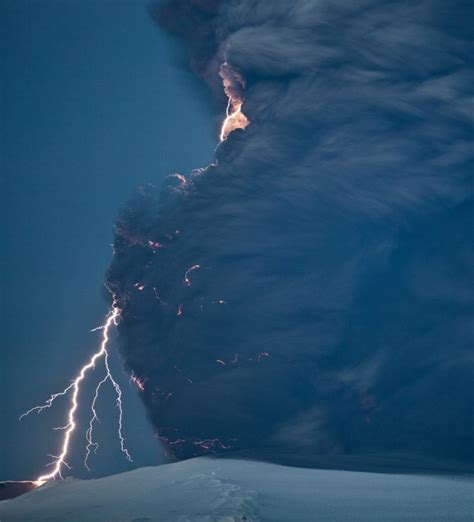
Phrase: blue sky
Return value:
(93, 104)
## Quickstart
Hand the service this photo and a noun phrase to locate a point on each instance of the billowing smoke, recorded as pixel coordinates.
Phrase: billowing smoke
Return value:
(311, 291)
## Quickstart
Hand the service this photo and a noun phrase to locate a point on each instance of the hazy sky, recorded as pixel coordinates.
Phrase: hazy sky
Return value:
(93, 104)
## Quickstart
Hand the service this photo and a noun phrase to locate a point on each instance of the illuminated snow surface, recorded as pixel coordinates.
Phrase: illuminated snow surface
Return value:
(206, 490)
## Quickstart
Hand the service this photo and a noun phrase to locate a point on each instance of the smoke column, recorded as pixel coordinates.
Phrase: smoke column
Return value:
(308, 292)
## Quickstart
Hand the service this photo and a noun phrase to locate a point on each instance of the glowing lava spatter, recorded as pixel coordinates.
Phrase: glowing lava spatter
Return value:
(60, 460)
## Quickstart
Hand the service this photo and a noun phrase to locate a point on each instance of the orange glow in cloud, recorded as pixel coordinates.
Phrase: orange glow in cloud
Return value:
(235, 119)
(233, 88)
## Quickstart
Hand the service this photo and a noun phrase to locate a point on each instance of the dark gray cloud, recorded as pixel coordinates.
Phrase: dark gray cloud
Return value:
(331, 311)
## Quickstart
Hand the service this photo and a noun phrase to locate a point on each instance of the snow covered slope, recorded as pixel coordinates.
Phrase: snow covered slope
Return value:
(205, 490)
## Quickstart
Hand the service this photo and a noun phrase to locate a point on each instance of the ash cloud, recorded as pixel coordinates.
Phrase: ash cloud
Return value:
(331, 312)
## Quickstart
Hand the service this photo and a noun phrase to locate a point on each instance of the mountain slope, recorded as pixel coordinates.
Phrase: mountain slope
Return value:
(205, 490)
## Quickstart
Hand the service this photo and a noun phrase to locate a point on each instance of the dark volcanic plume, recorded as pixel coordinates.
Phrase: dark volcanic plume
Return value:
(311, 291)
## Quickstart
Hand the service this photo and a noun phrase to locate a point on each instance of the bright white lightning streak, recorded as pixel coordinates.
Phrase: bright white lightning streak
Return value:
(222, 135)
(89, 433)
(233, 84)
(48, 404)
(187, 280)
(60, 460)
(235, 119)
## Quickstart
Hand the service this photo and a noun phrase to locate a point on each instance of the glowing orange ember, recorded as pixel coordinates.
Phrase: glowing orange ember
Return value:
(209, 444)
(154, 244)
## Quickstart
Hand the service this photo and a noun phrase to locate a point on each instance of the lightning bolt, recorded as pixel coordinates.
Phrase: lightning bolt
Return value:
(102, 353)
(95, 418)
(187, 280)
(234, 119)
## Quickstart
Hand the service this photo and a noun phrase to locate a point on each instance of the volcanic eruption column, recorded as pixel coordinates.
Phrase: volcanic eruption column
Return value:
(234, 119)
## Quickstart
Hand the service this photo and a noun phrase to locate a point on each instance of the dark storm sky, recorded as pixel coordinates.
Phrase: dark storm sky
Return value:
(93, 104)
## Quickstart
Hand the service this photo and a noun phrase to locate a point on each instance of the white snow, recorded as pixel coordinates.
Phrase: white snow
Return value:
(205, 490)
